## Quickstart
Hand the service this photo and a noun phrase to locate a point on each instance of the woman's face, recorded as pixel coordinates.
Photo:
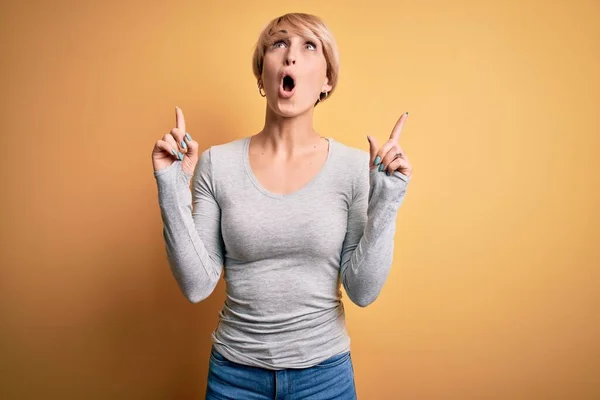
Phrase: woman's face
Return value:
(294, 72)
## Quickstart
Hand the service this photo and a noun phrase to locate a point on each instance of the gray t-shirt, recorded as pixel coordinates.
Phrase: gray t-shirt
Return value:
(284, 255)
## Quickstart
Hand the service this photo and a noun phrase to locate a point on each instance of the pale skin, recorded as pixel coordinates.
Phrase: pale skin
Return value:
(390, 154)
(287, 153)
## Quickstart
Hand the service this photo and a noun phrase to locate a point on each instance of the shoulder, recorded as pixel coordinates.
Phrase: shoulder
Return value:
(351, 158)
(224, 151)
(217, 161)
(355, 162)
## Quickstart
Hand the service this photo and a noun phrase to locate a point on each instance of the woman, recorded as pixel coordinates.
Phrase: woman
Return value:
(291, 215)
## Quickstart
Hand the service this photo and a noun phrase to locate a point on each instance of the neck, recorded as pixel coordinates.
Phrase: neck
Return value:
(288, 137)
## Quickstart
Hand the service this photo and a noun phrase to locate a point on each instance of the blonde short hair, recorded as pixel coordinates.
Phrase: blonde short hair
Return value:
(303, 24)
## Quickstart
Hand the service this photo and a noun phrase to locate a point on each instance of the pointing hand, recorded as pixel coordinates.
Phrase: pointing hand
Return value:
(176, 145)
(390, 157)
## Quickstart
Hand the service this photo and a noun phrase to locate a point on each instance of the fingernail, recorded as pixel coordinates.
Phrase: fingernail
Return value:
(407, 113)
(174, 153)
(387, 173)
(187, 135)
(377, 160)
(180, 156)
(381, 167)
(183, 144)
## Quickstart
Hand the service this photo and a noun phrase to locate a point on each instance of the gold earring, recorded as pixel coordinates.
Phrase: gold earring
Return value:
(259, 90)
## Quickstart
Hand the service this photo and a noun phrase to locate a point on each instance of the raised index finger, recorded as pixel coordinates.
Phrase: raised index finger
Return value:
(398, 127)
(179, 120)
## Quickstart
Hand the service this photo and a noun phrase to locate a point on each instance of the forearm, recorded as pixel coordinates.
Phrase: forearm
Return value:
(194, 270)
(369, 266)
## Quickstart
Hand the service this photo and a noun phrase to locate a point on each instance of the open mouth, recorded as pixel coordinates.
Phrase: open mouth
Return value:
(288, 83)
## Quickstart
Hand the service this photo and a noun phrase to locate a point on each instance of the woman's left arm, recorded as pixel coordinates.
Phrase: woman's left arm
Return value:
(368, 247)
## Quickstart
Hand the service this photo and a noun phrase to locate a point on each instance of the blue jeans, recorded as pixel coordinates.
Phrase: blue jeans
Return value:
(330, 379)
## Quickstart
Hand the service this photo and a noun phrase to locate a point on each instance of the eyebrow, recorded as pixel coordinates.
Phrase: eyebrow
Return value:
(308, 37)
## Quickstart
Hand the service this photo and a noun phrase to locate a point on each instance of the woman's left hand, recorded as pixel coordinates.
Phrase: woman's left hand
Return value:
(390, 157)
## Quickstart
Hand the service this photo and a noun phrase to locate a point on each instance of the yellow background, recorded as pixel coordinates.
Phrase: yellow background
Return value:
(493, 292)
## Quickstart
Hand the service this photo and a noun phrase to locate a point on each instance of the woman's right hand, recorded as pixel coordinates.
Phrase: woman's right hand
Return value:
(176, 145)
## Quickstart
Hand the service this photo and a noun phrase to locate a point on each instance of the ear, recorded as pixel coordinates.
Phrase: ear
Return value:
(326, 86)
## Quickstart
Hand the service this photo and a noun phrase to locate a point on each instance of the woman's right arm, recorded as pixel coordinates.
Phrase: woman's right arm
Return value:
(193, 240)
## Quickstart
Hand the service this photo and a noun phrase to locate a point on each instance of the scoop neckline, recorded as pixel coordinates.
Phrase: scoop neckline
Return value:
(263, 190)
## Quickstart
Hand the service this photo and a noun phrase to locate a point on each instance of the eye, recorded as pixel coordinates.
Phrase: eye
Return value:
(312, 44)
(308, 43)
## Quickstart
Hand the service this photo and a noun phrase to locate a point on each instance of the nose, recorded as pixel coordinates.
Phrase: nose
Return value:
(290, 58)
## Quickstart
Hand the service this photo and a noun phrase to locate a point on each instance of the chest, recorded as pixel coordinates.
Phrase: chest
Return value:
(286, 177)
(279, 210)
(308, 226)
